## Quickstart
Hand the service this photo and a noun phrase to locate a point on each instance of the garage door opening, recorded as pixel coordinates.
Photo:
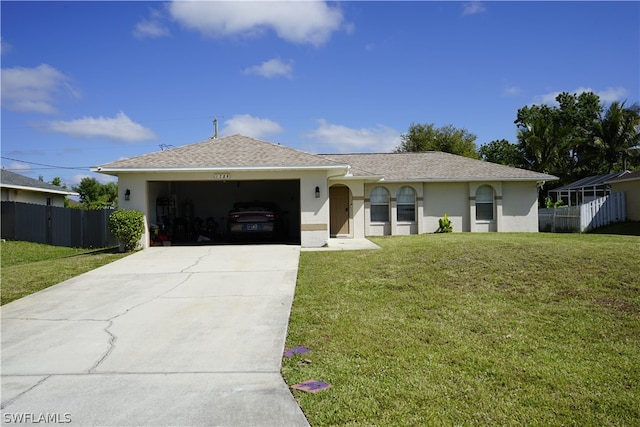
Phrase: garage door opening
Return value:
(197, 212)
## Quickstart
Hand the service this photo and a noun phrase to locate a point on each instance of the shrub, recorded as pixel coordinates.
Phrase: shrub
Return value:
(445, 225)
(549, 204)
(127, 227)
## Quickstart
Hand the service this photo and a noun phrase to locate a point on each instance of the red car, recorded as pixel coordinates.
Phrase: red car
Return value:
(254, 219)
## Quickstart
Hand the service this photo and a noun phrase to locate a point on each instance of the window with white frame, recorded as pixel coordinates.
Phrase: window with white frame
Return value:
(484, 203)
(406, 204)
(379, 201)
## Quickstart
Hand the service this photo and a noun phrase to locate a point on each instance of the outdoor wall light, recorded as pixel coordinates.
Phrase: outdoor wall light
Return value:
(317, 192)
(127, 194)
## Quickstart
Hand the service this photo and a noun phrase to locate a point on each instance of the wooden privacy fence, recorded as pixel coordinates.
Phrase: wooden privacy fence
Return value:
(57, 226)
(596, 213)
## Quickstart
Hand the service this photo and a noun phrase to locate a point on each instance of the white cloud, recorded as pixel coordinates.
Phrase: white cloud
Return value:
(607, 95)
(33, 89)
(301, 22)
(151, 28)
(4, 47)
(18, 167)
(120, 128)
(271, 68)
(473, 8)
(250, 126)
(343, 139)
(612, 94)
(511, 91)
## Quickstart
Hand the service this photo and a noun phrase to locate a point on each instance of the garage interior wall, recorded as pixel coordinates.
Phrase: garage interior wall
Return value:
(214, 199)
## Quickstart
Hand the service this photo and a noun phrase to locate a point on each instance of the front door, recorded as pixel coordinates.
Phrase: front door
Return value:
(339, 210)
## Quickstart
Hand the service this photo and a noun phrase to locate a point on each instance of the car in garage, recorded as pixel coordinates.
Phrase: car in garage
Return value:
(255, 220)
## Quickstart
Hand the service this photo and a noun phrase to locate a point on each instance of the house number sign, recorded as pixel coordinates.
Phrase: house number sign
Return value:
(221, 176)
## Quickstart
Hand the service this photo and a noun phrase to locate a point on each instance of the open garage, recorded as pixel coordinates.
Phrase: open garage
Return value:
(195, 212)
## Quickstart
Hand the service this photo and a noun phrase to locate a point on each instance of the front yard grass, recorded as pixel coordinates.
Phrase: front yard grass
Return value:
(471, 329)
(30, 267)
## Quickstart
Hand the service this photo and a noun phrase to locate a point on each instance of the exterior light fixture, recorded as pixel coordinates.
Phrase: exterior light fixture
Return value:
(317, 192)
(127, 194)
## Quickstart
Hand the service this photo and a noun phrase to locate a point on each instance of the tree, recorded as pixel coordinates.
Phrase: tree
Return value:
(542, 138)
(578, 114)
(558, 139)
(95, 195)
(426, 137)
(58, 182)
(502, 152)
(615, 135)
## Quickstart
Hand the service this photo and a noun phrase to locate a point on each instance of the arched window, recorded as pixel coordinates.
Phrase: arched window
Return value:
(484, 203)
(379, 205)
(406, 204)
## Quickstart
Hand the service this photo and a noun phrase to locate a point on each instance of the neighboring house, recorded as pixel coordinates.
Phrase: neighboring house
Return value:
(585, 189)
(628, 183)
(20, 188)
(337, 195)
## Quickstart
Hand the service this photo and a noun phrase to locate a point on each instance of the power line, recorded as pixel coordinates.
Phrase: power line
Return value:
(48, 166)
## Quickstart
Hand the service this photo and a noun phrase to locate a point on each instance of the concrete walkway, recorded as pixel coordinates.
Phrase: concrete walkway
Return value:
(167, 336)
(345, 244)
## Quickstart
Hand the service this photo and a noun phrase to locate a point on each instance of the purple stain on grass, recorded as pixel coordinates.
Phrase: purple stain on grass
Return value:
(290, 352)
(311, 386)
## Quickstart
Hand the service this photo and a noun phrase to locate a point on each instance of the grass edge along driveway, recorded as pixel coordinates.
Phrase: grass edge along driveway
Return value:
(30, 267)
(471, 329)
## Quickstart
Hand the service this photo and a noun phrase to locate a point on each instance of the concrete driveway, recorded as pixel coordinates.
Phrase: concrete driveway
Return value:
(167, 336)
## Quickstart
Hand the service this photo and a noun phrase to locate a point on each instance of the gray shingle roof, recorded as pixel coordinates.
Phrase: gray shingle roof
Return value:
(12, 180)
(239, 151)
(626, 176)
(590, 181)
(235, 151)
(432, 166)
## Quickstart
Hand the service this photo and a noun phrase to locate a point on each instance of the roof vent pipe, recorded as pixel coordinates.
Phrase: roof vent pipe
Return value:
(215, 128)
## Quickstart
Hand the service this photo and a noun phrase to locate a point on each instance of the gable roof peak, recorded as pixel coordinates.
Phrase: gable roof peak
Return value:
(231, 152)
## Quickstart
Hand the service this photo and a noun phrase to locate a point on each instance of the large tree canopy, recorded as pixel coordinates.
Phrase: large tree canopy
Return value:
(427, 137)
(578, 137)
(95, 195)
(616, 139)
(502, 152)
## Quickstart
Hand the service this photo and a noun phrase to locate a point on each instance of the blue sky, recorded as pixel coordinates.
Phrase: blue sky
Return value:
(86, 83)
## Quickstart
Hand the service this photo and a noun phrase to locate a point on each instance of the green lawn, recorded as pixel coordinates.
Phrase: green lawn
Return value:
(471, 329)
(629, 228)
(30, 267)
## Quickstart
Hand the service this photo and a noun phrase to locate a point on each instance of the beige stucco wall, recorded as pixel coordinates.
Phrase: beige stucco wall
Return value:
(632, 191)
(33, 197)
(519, 207)
(451, 198)
(515, 203)
(515, 207)
(145, 188)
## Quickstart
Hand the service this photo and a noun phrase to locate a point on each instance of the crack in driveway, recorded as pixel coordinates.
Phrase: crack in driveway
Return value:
(163, 357)
(19, 395)
(113, 338)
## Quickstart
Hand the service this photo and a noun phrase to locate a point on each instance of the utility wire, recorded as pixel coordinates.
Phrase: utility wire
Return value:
(48, 166)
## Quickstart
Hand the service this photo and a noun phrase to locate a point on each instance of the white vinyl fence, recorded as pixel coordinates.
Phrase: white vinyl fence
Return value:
(603, 211)
(596, 213)
(559, 220)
